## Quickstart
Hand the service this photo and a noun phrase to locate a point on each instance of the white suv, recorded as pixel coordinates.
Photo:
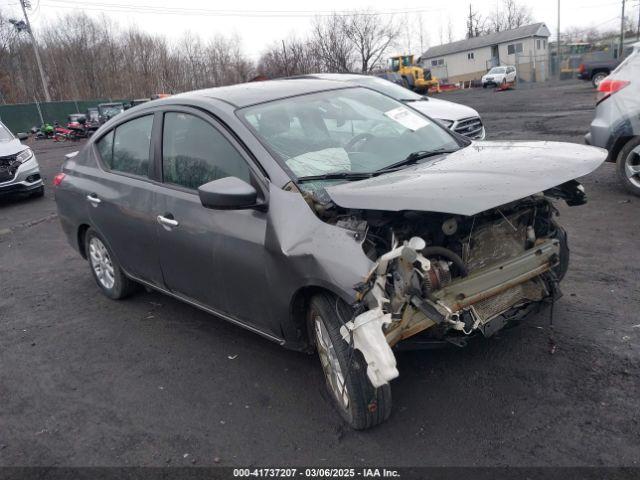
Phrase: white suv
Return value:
(499, 76)
(454, 116)
(19, 169)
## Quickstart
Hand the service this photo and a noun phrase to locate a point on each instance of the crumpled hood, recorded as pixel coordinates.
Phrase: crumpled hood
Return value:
(11, 147)
(443, 110)
(479, 177)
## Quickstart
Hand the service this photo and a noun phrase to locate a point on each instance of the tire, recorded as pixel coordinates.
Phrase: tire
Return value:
(598, 77)
(504, 83)
(628, 166)
(484, 85)
(105, 269)
(362, 406)
(38, 192)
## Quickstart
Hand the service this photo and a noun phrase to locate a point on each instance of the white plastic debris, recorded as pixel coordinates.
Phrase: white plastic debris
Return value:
(369, 338)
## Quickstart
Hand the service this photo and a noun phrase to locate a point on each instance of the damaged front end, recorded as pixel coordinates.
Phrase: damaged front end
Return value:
(440, 278)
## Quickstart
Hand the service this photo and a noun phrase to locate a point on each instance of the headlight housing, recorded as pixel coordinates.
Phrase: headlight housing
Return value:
(24, 155)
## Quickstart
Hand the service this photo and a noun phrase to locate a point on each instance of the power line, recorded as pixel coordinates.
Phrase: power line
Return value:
(158, 10)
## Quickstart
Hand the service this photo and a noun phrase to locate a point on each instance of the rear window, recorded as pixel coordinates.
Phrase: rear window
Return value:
(126, 148)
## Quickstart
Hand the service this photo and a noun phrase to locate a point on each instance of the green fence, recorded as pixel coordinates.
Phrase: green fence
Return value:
(21, 117)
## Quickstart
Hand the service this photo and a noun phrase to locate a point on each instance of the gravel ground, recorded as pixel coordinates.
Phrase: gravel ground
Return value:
(151, 381)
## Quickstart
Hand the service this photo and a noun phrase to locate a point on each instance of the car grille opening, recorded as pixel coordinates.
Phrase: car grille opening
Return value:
(469, 127)
(8, 167)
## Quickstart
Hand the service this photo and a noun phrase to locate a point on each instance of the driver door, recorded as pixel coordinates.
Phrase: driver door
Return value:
(213, 257)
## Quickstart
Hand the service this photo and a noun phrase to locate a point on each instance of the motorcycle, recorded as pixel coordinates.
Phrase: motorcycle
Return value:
(45, 131)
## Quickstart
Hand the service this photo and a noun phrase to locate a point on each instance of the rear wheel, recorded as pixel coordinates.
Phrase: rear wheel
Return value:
(105, 268)
(359, 403)
(598, 77)
(628, 166)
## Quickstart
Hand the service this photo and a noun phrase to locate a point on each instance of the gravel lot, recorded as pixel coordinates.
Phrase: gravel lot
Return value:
(151, 381)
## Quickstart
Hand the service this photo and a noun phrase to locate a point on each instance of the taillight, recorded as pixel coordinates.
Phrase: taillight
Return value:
(609, 86)
(581, 68)
(57, 180)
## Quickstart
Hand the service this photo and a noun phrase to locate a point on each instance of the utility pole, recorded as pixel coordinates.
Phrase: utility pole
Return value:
(638, 30)
(621, 32)
(558, 43)
(43, 78)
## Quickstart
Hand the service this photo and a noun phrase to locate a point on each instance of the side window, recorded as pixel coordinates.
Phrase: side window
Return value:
(194, 153)
(126, 148)
(105, 149)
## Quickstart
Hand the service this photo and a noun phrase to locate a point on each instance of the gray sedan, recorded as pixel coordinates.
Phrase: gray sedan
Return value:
(324, 217)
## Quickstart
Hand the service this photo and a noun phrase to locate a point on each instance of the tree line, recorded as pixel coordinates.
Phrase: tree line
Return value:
(88, 58)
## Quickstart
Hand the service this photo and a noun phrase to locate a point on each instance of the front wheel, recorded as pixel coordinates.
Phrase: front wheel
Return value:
(105, 268)
(359, 403)
(628, 166)
(596, 80)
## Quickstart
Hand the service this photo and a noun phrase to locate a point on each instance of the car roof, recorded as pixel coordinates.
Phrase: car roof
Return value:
(245, 94)
(342, 77)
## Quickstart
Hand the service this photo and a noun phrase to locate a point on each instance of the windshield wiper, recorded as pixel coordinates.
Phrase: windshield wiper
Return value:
(414, 158)
(337, 176)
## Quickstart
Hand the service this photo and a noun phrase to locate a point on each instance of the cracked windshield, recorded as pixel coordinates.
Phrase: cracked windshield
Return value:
(351, 130)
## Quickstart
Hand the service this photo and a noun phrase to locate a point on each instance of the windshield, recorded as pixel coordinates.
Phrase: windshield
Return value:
(388, 88)
(111, 110)
(354, 130)
(5, 134)
(497, 70)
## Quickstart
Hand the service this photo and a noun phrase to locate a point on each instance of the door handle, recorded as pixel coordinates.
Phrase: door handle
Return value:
(167, 222)
(93, 198)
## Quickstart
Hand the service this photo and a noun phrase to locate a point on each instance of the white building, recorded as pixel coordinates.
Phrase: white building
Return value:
(525, 47)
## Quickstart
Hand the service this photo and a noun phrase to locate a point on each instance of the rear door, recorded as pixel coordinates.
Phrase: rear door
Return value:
(215, 257)
(122, 198)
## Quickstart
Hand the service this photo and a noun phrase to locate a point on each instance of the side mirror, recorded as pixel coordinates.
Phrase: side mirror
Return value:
(229, 193)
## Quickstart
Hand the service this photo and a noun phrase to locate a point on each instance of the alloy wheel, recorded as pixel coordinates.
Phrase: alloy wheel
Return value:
(632, 167)
(330, 363)
(101, 263)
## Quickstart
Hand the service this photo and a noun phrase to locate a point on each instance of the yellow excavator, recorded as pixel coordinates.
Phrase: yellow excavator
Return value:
(414, 77)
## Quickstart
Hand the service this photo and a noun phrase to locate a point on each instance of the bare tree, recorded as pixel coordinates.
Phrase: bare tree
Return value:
(89, 58)
(372, 37)
(331, 44)
(476, 23)
(512, 15)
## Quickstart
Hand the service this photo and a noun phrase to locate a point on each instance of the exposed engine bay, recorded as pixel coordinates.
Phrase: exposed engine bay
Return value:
(443, 277)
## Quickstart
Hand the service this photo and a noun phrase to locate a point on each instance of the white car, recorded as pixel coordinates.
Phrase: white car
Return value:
(459, 118)
(19, 169)
(499, 76)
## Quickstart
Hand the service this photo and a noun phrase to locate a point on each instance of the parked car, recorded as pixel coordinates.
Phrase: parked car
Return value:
(109, 110)
(323, 216)
(499, 77)
(596, 66)
(19, 169)
(459, 118)
(616, 125)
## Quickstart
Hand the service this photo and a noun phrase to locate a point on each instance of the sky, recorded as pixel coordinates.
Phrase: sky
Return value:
(262, 23)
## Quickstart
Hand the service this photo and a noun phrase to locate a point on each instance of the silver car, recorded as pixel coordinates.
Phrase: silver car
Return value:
(325, 217)
(616, 125)
(454, 116)
(19, 169)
